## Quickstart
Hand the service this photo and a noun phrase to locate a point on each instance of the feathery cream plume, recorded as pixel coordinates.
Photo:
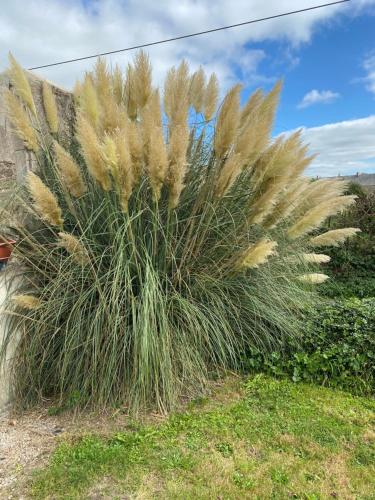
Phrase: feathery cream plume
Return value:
(124, 172)
(50, 108)
(77, 91)
(102, 79)
(130, 93)
(313, 278)
(251, 107)
(227, 122)
(109, 153)
(21, 122)
(142, 78)
(247, 141)
(110, 117)
(74, 247)
(267, 109)
(118, 85)
(314, 217)
(317, 192)
(158, 161)
(197, 90)
(151, 118)
(258, 254)
(92, 152)
(176, 95)
(266, 201)
(334, 238)
(286, 203)
(21, 84)
(45, 202)
(262, 123)
(89, 103)
(136, 149)
(228, 174)
(177, 148)
(211, 97)
(27, 301)
(316, 258)
(69, 172)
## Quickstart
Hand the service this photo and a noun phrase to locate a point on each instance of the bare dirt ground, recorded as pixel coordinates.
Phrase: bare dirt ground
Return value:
(27, 440)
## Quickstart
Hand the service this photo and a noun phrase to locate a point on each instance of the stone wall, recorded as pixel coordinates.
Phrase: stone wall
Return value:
(15, 160)
(5, 283)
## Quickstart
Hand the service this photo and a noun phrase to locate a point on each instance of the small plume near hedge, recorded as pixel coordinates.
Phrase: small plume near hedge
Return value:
(169, 235)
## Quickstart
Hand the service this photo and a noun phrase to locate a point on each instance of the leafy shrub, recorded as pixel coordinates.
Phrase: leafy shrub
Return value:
(337, 348)
(163, 241)
(352, 265)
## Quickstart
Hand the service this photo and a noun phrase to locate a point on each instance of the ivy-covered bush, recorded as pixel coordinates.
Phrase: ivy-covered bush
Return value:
(352, 265)
(337, 348)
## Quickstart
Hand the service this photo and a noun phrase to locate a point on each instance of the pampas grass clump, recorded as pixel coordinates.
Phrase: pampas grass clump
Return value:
(163, 241)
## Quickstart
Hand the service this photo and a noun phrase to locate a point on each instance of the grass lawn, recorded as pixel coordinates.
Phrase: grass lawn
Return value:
(261, 438)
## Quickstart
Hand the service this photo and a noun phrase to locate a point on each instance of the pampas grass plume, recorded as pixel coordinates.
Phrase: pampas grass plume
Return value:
(334, 238)
(50, 108)
(45, 202)
(258, 254)
(227, 122)
(88, 100)
(92, 153)
(197, 90)
(74, 247)
(313, 278)
(69, 171)
(21, 84)
(21, 122)
(315, 216)
(316, 258)
(211, 97)
(27, 301)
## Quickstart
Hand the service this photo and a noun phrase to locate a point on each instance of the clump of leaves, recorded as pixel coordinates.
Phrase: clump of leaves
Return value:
(337, 348)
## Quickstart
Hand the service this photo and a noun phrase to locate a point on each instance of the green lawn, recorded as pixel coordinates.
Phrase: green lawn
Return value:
(260, 438)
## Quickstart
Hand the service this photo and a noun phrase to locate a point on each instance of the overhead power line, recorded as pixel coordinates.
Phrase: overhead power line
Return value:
(150, 44)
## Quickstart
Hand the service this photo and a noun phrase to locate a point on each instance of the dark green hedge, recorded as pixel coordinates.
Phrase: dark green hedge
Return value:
(337, 348)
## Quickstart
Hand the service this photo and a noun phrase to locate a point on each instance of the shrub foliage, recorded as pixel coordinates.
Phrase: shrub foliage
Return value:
(353, 264)
(337, 348)
(163, 240)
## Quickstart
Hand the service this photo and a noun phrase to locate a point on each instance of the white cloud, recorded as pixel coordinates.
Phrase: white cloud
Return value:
(343, 148)
(369, 66)
(318, 97)
(44, 31)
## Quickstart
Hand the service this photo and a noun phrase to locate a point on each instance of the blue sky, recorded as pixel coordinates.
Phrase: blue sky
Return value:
(333, 60)
(326, 57)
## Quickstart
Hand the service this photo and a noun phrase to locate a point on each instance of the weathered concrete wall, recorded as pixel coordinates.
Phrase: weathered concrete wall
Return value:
(15, 160)
(367, 181)
(5, 282)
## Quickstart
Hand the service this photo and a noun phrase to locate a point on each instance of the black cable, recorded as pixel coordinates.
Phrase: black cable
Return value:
(190, 35)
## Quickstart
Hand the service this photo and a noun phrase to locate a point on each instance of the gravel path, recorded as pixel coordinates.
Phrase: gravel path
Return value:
(25, 443)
